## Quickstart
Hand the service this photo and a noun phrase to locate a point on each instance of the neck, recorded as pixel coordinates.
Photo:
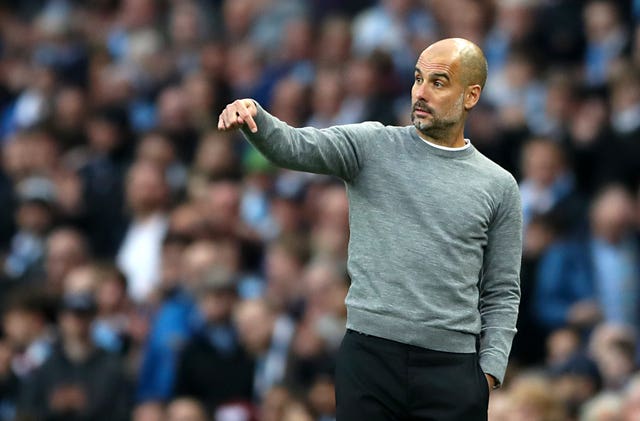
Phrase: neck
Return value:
(456, 141)
(77, 349)
(143, 215)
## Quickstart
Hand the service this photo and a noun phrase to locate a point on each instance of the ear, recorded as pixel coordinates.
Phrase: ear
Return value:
(471, 96)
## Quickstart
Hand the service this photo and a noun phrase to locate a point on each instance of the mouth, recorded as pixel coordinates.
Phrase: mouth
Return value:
(421, 113)
(421, 109)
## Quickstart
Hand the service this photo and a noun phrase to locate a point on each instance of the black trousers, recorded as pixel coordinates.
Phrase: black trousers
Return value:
(382, 380)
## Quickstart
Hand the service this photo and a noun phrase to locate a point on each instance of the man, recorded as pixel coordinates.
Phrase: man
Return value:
(78, 381)
(147, 194)
(435, 245)
(214, 367)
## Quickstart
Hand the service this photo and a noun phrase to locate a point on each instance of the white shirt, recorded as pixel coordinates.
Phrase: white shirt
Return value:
(139, 255)
(467, 144)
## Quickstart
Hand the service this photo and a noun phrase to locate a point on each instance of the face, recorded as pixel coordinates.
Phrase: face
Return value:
(216, 306)
(75, 325)
(19, 327)
(255, 325)
(185, 410)
(438, 94)
(146, 188)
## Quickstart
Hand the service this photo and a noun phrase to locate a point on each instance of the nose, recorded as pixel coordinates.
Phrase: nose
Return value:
(419, 92)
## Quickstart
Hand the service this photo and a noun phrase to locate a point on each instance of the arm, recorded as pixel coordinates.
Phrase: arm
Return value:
(336, 151)
(500, 284)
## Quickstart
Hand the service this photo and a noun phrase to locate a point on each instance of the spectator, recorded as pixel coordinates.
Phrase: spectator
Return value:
(532, 398)
(548, 186)
(173, 120)
(27, 331)
(78, 381)
(518, 94)
(157, 149)
(578, 282)
(326, 100)
(392, 25)
(606, 36)
(66, 249)
(267, 336)
(173, 323)
(513, 26)
(322, 398)
(334, 44)
(35, 217)
(185, 409)
(625, 111)
(613, 349)
(213, 367)
(139, 254)
(297, 411)
(102, 172)
(274, 403)
(110, 328)
(285, 260)
(69, 112)
(588, 142)
(288, 101)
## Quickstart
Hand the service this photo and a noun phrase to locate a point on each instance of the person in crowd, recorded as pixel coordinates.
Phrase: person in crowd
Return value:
(186, 409)
(139, 254)
(78, 381)
(214, 367)
(548, 186)
(110, 329)
(67, 248)
(580, 282)
(28, 330)
(266, 334)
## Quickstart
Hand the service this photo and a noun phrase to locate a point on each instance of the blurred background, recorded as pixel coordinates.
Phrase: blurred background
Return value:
(153, 268)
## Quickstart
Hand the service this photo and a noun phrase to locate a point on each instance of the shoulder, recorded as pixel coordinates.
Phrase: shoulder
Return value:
(500, 180)
(375, 130)
(364, 127)
(493, 169)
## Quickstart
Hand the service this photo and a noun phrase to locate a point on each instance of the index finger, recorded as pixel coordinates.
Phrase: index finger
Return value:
(251, 123)
(246, 116)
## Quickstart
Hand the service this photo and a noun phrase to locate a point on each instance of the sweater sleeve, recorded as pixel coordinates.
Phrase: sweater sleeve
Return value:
(500, 283)
(337, 150)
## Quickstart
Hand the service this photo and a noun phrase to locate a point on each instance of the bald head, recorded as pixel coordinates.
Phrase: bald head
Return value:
(469, 57)
(449, 78)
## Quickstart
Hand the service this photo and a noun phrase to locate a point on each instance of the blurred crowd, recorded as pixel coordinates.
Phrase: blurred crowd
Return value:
(153, 268)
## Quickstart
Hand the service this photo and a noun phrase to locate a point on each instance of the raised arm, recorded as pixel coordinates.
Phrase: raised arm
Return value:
(500, 283)
(338, 150)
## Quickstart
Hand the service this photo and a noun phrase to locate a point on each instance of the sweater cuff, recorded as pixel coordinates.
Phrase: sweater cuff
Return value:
(494, 366)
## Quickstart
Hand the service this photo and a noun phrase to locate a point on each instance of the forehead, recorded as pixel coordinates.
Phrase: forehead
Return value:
(438, 59)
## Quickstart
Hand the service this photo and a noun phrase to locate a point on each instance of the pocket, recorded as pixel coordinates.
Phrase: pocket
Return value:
(484, 385)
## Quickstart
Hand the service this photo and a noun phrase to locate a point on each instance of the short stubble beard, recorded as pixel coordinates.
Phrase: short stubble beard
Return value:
(439, 127)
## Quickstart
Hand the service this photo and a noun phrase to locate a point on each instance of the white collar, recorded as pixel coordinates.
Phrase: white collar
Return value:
(467, 144)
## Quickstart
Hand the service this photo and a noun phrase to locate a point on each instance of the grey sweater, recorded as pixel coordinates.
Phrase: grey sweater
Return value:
(435, 245)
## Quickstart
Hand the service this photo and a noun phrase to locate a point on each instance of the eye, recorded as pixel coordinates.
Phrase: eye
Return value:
(438, 84)
(418, 79)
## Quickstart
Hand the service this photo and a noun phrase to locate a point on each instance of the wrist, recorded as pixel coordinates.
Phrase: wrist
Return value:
(492, 381)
